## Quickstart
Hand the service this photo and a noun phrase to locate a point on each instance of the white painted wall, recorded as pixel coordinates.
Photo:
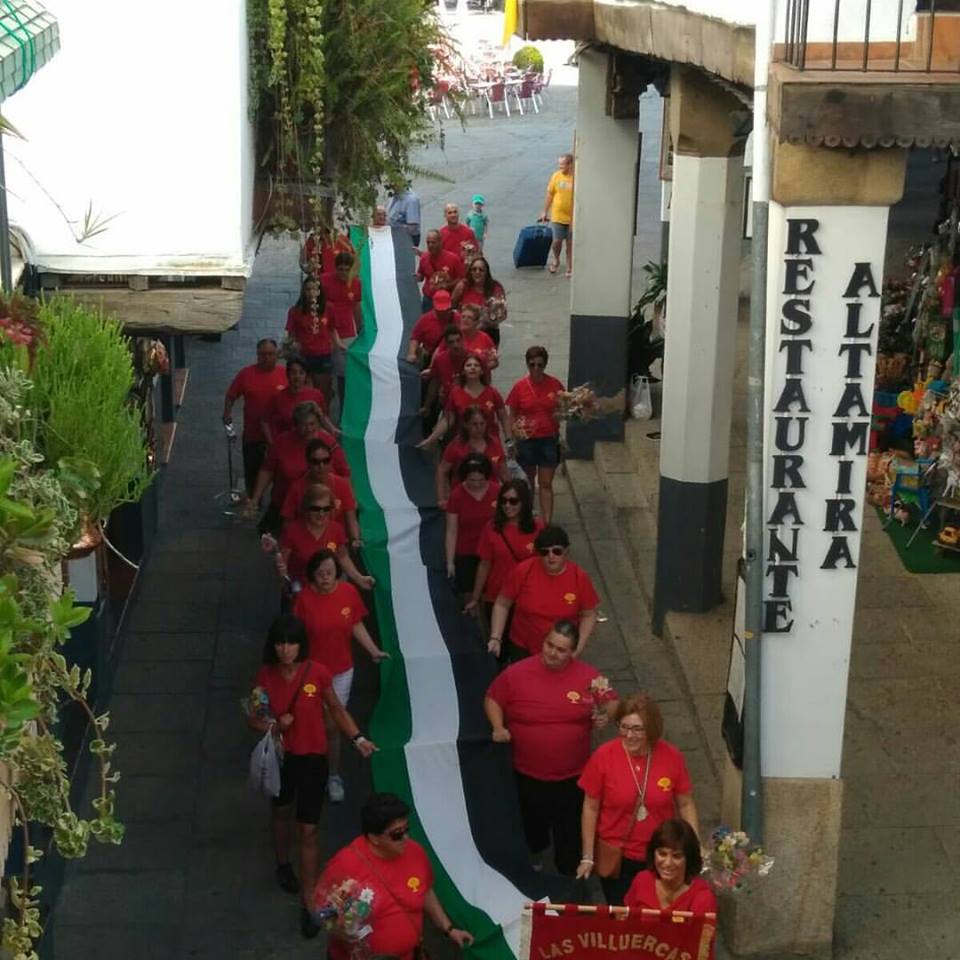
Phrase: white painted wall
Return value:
(804, 671)
(883, 16)
(143, 113)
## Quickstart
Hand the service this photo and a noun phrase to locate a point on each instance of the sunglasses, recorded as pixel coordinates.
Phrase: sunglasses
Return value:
(536, 363)
(318, 461)
(398, 834)
(510, 501)
(552, 551)
(316, 508)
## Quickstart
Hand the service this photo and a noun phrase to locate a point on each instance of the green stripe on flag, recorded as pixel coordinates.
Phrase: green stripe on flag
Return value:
(391, 724)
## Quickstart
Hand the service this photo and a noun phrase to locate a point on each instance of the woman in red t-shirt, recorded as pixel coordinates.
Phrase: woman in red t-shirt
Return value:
(469, 508)
(311, 532)
(672, 880)
(631, 785)
(532, 419)
(471, 388)
(479, 288)
(333, 613)
(539, 592)
(314, 336)
(280, 415)
(297, 690)
(504, 542)
(475, 436)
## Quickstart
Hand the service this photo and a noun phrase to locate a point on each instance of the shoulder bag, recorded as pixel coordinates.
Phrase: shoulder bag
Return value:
(609, 856)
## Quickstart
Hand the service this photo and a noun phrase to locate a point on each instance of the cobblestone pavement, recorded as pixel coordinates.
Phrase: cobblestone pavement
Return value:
(194, 875)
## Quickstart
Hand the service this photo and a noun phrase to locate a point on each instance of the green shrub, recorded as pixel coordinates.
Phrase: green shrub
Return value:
(528, 58)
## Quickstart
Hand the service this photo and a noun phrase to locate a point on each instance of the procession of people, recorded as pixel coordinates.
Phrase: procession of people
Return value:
(625, 811)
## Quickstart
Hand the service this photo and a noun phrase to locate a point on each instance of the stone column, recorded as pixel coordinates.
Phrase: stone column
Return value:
(703, 282)
(607, 150)
(828, 232)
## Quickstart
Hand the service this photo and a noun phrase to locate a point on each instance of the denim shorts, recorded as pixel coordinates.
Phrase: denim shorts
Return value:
(321, 363)
(538, 452)
(561, 231)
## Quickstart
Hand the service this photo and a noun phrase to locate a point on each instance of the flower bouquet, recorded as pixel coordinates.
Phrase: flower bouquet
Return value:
(256, 704)
(577, 403)
(345, 911)
(601, 693)
(494, 312)
(732, 859)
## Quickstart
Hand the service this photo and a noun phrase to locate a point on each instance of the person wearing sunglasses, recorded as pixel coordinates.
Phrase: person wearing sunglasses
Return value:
(398, 872)
(545, 706)
(319, 458)
(299, 692)
(532, 419)
(469, 508)
(631, 785)
(481, 290)
(313, 530)
(333, 611)
(540, 591)
(504, 542)
(475, 436)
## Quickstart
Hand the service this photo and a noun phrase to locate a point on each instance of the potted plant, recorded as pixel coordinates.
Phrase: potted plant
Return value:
(82, 377)
(645, 337)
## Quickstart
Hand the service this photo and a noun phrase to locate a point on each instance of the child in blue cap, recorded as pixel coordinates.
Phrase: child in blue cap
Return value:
(477, 220)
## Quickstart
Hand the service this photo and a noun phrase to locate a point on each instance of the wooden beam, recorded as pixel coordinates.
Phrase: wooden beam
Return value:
(137, 282)
(233, 283)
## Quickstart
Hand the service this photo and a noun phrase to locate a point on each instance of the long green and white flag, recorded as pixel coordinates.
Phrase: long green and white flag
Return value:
(429, 723)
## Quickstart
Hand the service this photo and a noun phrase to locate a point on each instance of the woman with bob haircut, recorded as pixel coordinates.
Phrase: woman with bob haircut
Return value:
(631, 785)
(470, 506)
(540, 591)
(297, 690)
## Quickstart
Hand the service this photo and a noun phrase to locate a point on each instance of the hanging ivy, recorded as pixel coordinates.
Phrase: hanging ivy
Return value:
(338, 92)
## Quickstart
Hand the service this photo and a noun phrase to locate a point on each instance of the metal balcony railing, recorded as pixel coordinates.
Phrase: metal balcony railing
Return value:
(899, 36)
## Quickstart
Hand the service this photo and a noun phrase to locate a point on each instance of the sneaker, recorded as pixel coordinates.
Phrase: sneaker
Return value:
(335, 789)
(287, 879)
(308, 929)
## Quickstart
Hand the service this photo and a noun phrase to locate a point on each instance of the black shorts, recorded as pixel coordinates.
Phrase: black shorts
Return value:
(303, 777)
(319, 364)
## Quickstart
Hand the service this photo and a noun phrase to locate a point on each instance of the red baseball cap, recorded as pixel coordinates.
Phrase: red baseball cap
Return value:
(441, 300)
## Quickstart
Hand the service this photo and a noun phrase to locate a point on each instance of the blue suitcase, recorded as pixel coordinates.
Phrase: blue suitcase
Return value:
(533, 246)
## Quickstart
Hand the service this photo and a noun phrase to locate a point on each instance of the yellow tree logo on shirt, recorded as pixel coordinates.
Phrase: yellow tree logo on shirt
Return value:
(570, 597)
(413, 883)
(345, 612)
(309, 689)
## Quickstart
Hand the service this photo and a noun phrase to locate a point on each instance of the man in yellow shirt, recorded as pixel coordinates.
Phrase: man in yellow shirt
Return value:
(558, 209)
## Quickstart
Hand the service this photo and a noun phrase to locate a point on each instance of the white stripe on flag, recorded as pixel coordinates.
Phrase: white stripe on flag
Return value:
(432, 759)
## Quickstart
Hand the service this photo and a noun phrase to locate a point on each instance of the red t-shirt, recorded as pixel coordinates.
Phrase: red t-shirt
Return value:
(444, 368)
(302, 544)
(540, 600)
(285, 402)
(536, 404)
(341, 300)
(457, 449)
(343, 498)
(428, 330)
(325, 260)
(307, 733)
(311, 332)
(607, 778)
(453, 239)
(400, 886)
(472, 514)
(503, 550)
(330, 619)
(448, 267)
(473, 295)
(258, 388)
(287, 460)
(489, 401)
(480, 344)
(549, 714)
(697, 898)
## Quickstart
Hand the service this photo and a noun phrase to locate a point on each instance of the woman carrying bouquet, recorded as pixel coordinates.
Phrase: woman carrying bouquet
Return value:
(297, 690)
(381, 885)
(547, 707)
(333, 611)
(474, 436)
(631, 785)
(532, 418)
(479, 288)
(672, 880)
